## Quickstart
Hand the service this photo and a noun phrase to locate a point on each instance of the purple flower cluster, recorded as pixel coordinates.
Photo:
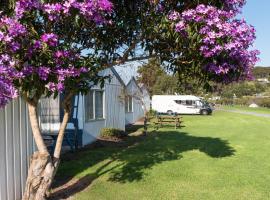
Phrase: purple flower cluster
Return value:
(91, 9)
(49, 38)
(7, 91)
(43, 72)
(11, 32)
(23, 6)
(222, 40)
(42, 59)
(7, 74)
(234, 5)
(62, 74)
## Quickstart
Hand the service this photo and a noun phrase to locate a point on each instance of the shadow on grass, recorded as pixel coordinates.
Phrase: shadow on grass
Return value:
(71, 187)
(128, 163)
(133, 128)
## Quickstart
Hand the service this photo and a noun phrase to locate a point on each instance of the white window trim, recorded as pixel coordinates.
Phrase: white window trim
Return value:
(94, 107)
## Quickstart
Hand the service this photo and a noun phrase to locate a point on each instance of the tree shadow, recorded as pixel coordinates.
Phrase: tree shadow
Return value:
(70, 188)
(165, 146)
(128, 163)
(133, 128)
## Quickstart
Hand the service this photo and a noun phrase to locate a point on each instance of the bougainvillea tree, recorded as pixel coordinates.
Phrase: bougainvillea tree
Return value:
(205, 41)
(41, 54)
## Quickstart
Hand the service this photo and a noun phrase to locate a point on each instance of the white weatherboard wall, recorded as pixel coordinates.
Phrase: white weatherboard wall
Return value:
(137, 109)
(114, 110)
(16, 147)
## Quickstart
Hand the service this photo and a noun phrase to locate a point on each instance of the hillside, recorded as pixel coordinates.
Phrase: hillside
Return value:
(261, 72)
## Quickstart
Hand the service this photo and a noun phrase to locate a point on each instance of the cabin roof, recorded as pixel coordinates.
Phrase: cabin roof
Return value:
(127, 71)
(117, 76)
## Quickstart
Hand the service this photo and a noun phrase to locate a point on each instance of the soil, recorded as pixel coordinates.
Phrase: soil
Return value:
(66, 190)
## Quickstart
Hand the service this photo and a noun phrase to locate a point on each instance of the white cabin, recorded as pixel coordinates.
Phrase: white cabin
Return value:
(102, 107)
(138, 98)
(118, 103)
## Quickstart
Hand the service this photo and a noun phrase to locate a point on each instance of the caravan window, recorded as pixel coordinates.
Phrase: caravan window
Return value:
(94, 105)
(185, 102)
(179, 102)
(190, 102)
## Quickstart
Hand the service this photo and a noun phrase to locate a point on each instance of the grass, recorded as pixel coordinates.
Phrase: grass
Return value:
(224, 156)
(247, 109)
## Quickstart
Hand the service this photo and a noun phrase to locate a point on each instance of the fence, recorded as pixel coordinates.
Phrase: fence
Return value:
(16, 147)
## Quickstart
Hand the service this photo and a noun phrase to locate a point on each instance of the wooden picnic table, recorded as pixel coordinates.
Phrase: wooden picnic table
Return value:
(168, 119)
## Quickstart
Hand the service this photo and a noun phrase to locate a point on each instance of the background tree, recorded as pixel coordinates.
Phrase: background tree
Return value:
(243, 89)
(261, 72)
(166, 85)
(158, 81)
(149, 74)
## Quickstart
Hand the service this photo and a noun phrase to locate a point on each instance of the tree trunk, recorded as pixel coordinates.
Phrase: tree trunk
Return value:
(43, 166)
(40, 176)
(145, 126)
(145, 120)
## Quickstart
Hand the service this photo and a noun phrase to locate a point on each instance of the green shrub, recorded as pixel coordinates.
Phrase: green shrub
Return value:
(264, 102)
(244, 101)
(112, 133)
(224, 101)
(151, 113)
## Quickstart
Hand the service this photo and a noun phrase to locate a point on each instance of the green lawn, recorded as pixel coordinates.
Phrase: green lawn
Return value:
(223, 156)
(247, 109)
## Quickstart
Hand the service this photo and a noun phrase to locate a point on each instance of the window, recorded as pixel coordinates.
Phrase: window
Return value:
(178, 101)
(189, 102)
(94, 105)
(185, 102)
(128, 104)
(99, 104)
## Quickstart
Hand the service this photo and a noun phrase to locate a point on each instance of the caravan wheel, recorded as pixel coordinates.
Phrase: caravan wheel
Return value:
(204, 112)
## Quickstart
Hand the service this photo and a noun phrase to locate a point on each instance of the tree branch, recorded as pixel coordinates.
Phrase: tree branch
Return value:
(67, 112)
(118, 62)
(32, 109)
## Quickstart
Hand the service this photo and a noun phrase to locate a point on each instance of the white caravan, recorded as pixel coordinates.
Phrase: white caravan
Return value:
(180, 104)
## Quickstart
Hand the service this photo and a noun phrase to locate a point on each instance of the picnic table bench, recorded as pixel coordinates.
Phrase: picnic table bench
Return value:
(168, 119)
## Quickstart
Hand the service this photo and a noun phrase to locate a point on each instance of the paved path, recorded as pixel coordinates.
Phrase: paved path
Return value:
(246, 113)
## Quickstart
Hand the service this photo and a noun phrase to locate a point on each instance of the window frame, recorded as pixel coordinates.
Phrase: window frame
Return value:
(94, 106)
(129, 104)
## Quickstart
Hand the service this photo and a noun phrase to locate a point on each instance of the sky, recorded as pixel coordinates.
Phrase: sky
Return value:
(257, 13)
